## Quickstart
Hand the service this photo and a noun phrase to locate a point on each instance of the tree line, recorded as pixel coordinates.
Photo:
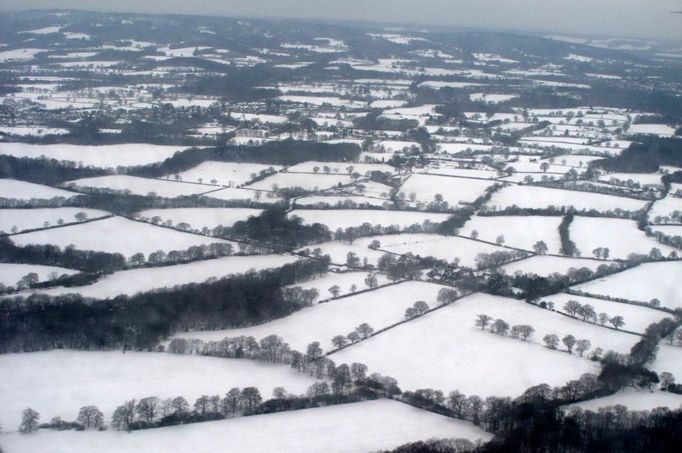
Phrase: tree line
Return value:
(41, 322)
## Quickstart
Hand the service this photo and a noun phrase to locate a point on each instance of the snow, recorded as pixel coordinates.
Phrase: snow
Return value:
(19, 54)
(665, 207)
(662, 130)
(346, 428)
(130, 282)
(58, 383)
(460, 172)
(518, 231)
(645, 282)
(140, 186)
(343, 280)
(341, 167)
(544, 265)
(303, 180)
(105, 156)
(444, 350)
(542, 197)
(23, 190)
(334, 199)
(637, 318)
(27, 219)
(379, 308)
(260, 196)
(621, 236)
(635, 400)
(442, 247)
(322, 100)
(230, 174)
(199, 218)
(115, 235)
(454, 190)
(10, 273)
(668, 359)
(338, 251)
(643, 179)
(344, 218)
(491, 98)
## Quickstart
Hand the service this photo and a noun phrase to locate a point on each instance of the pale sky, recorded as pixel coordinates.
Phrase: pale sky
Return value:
(623, 18)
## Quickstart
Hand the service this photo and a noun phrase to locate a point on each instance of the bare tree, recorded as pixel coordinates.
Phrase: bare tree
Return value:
(617, 321)
(569, 342)
(90, 417)
(29, 421)
(364, 330)
(482, 321)
(581, 346)
(551, 340)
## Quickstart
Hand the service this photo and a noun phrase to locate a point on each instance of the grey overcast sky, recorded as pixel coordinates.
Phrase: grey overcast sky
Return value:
(625, 18)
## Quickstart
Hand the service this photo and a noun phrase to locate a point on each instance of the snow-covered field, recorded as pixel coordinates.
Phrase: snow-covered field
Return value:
(668, 359)
(133, 281)
(537, 197)
(344, 280)
(645, 282)
(303, 180)
(340, 167)
(637, 318)
(115, 235)
(635, 400)
(518, 231)
(10, 273)
(230, 174)
(347, 428)
(665, 207)
(333, 200)
(199, 218)
(28, 219)
(454, 190)
(338, 251)
(642, 179)
(344, 218)
(58, 383)
(544, 265)
(447, 248)
(445, 350)
(140, 186)
(621, 236)
(259, 196)
(23, 190)
(321, 322)
(662, 130)
(104, 156)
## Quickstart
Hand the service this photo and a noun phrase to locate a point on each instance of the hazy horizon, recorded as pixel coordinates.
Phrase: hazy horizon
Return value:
(633, 18)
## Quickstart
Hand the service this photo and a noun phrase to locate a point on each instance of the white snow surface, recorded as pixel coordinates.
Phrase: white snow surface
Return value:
(104, 156)
(115, 235)
(344, 218)
(621, 236)
(199, 218)
(537, 197)
(444, 349)
(379, 308)
(141, 186)
(230, 174)
(635, 400)
(133, 281)
(642, 283)
(60, 382)
(23, 190)
(518, 231)
(27, 219)
(10, 273)
(347, 428)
